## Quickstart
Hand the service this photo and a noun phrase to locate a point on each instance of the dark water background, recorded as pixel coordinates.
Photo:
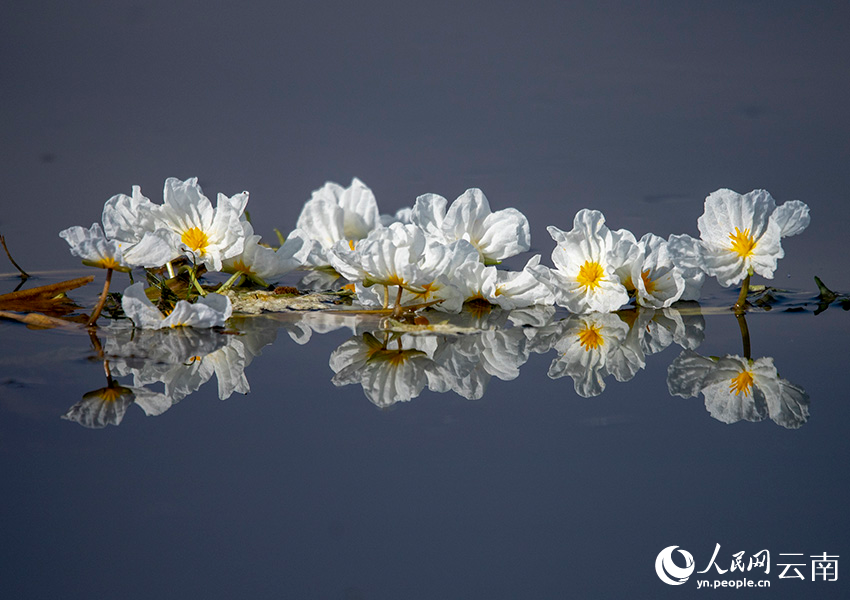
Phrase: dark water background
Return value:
(305, 490)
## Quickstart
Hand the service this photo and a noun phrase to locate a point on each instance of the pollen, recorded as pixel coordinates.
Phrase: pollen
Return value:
(742, 243)
(648, 284)
(590, 337)
(195, 240)
(590, 275)
(743, 383)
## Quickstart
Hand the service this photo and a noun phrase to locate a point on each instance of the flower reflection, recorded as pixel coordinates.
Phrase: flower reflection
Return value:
(102, 407)
(107, 405)
(390, 371)
(593, 346)
(739, 389)
(181, 360)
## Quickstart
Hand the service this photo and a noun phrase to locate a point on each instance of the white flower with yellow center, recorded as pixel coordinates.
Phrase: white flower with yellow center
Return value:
(741, 234)
(496, 235)
(92, 246)
(389, 257)
(264, 264)
(437, 269)
(97, 250)
(334, 213)
(586, 261)
(208, 235)
(652, 276)
(211, 310)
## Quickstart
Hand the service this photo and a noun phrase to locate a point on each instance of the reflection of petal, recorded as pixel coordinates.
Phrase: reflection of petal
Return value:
(787, 404)
(788, 407)
(102, 407)
(153, 403)
(687, 374)
(731, 408)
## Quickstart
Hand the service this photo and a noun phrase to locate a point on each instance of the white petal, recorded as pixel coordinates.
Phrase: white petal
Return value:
(792, 217)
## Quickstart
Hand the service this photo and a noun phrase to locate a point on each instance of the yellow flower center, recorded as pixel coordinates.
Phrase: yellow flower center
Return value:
(590, 275)
(743, 383)
(742, 242)
(195, 240)
(648, 284)
(239, 266)
(351, 245)
(590, 337)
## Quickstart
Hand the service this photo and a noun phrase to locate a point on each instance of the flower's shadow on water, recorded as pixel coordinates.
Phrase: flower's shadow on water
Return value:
(395, 362)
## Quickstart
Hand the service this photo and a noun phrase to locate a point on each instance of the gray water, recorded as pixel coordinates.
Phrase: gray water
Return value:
(305, 489)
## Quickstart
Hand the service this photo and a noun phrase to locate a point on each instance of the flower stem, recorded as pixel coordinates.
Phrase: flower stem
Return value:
(397, 310)
(745, 334)
(170, 268)
(229, 283)
(195, 282)
(24, 274)
(741, 304)
(96, 313)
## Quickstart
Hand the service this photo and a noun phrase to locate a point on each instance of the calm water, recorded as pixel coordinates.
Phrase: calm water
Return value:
(305, 489)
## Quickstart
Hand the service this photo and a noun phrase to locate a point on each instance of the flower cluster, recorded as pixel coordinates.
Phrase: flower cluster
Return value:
(434, 254)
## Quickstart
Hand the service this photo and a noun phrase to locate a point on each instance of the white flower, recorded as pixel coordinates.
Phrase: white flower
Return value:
(686, 254)
(211, 310)
(265, 264)
(586, 261)
(209, 235)
(496, 235)
(656, 281)
(96, 250)
(522, 289)
(437, 269)
(389, 256)
(741, 234)
(479, 284)
(334, 213)
(92, 246)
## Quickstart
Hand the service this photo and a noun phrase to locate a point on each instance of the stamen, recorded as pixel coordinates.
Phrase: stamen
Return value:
(590, 275)
(742, 242)
(195, 240)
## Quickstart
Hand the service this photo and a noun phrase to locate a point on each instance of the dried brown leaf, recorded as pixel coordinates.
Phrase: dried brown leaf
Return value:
(35, 320)
(49, 299)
